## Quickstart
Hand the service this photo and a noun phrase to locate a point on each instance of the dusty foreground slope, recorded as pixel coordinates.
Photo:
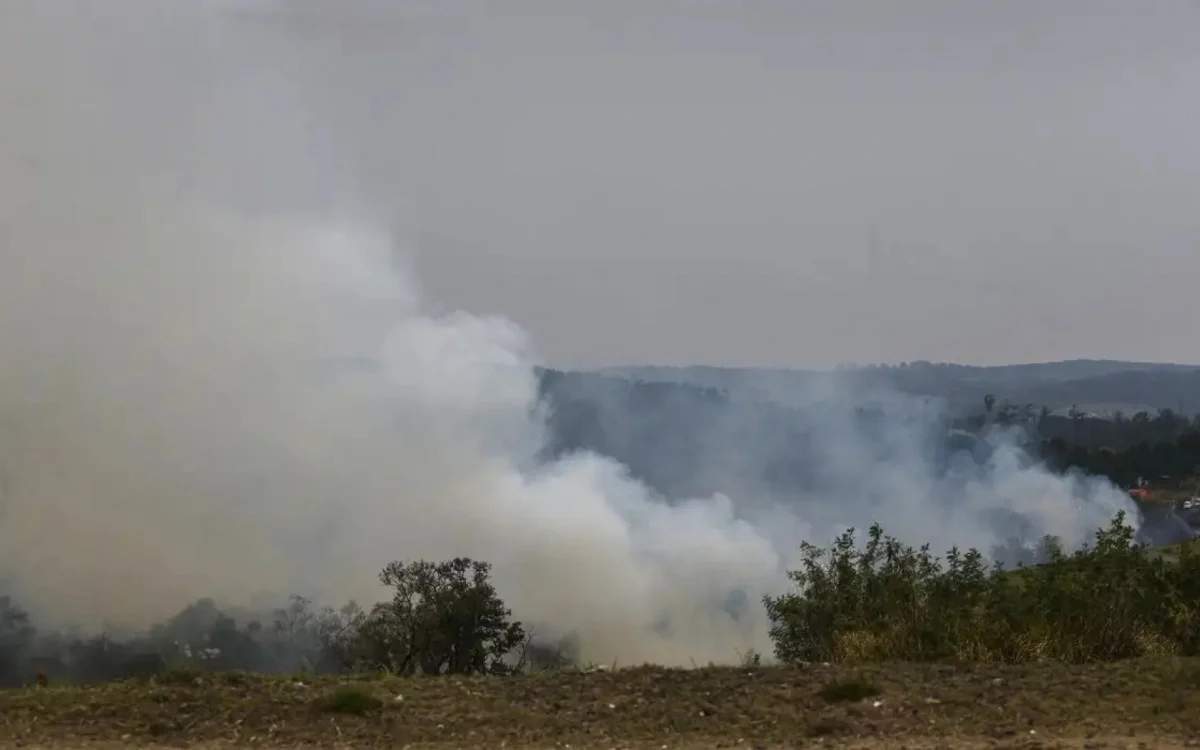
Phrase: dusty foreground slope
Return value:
(1143, 703)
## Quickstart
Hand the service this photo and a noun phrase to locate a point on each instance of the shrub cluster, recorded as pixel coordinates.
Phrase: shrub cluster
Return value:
(885, 600)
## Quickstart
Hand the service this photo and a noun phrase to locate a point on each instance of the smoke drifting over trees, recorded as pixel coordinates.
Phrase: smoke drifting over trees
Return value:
(220, 379)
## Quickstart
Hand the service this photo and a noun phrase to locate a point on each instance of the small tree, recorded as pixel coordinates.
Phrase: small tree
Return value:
(340, 634)
(444, 618)
(295, 641)
(325, 640)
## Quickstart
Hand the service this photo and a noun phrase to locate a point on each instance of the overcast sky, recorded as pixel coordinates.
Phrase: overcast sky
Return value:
(682, 181)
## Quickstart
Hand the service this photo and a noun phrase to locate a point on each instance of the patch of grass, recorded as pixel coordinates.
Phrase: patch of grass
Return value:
(179, 676)
(776, 706)
(851, 690)
(825, 727)
(1179, 685)
(349, 700)
(159, 728)
(749, 659)
(1186, 676)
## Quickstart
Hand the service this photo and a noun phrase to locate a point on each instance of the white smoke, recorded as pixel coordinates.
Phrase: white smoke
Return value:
(240, 407)
(213, 385)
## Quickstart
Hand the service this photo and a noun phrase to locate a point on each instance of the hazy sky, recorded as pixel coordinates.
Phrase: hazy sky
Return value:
(685, 181)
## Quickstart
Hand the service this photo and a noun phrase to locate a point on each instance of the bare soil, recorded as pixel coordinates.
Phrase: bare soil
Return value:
(1136, 704)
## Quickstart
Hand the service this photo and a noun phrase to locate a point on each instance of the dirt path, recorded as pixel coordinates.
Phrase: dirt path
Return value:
(1148, 703)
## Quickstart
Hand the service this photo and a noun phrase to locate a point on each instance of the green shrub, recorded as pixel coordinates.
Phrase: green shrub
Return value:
(886, 600)
(444, 618)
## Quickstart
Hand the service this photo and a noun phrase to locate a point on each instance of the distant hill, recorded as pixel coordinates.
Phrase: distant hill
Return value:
(1056, 385)
(687, 440)
(796, 436)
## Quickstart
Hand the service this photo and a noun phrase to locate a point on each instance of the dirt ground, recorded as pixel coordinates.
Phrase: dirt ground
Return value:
(1148, 703)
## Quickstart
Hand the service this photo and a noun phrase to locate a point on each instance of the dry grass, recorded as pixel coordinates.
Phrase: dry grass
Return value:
(349, 700)
(849, 690)
(1152, 701)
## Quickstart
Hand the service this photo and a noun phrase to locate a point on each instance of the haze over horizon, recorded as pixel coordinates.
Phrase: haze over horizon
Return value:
(748, 366)
(792, 184)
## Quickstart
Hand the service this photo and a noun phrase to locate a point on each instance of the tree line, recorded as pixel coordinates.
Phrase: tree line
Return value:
(1174, 459)
(442, 618)
(1124, 448)
(851, 602)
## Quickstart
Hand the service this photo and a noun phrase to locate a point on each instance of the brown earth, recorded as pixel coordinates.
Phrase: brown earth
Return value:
(1137, 704)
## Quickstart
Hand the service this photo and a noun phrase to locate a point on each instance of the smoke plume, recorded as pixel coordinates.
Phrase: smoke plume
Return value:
(220, 379)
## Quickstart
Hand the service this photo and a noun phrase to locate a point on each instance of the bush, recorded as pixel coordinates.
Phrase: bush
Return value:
(885, 600)
(889, 601)
(444, 618)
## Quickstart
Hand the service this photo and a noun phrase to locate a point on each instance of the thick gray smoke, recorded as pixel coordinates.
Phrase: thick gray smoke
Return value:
(228, 408)
(216, 385)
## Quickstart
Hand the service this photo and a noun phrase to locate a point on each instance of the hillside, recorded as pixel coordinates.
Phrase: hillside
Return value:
(687, 440)
(1127, 704)
(1054, 384)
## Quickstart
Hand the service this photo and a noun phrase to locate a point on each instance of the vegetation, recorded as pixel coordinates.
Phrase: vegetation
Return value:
(1151, 701)
(1124, 448)
(444, 618)
(853, 689)
(881, 600)
(886, 600)
(349, 700)
(1177, 458)
(1117, 430)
